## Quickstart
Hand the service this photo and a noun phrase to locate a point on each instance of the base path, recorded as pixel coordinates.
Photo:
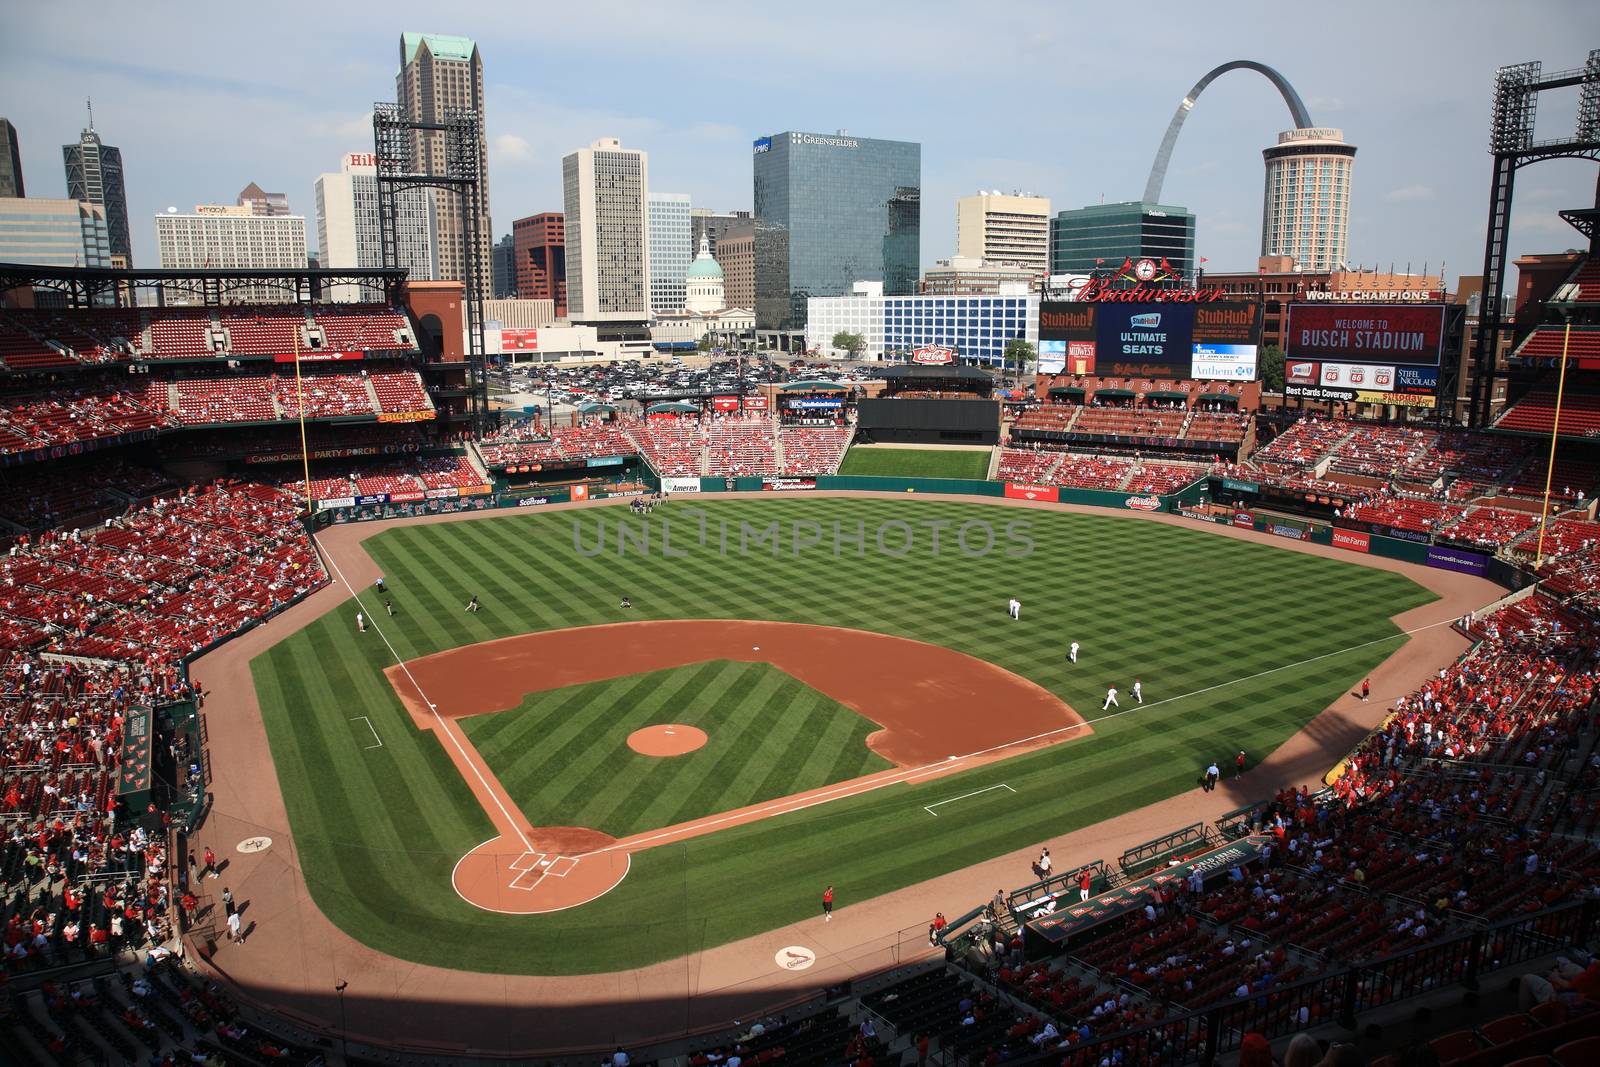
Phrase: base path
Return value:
(922, 696)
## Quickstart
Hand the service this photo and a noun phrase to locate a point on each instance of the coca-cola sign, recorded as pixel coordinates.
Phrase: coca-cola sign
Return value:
(933, 355)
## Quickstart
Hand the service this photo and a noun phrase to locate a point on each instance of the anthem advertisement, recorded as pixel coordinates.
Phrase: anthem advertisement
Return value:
(1215, 340)
(1366, 354)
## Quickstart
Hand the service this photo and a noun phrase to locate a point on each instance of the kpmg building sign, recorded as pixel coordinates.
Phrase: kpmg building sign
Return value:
(763, 144)
(812, 138)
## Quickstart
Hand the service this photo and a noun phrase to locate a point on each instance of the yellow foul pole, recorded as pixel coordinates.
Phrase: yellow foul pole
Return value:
(1555, 430)
(300, 400)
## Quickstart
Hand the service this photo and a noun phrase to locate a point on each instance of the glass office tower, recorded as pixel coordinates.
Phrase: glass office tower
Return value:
(832, 210)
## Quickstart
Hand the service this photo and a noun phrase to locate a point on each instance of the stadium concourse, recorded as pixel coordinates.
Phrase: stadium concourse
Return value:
(156, 543)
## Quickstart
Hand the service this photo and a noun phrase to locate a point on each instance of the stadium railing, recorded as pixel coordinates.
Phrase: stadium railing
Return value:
(1152, 854)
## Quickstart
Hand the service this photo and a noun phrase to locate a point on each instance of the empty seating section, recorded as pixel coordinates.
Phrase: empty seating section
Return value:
(1228, 428)
(672, 445)
(1380, 450)
(218, 400)
(1050, 417)
(1571, 476)
(1536, 412)
(179, 333)
(1130, 422)
(1405, 513)
(399, 391)
(1587, 279)
(326, 395)
(363, 328)
(1564, 536)
(813, 449)
(741, 446)
(22, 351)
(264, 331)
(1490, 527)
(1305, 444)
(1548, 342)
(1024, 465)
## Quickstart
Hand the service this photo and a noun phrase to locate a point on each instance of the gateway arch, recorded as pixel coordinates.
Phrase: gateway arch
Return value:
(1297, 109)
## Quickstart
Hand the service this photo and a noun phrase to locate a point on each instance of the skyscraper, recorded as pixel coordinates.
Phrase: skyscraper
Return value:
(261, 202)
(703, 222)
(606, 192)
(10, 161)
(230, 237)
(540, 247)
(832, 210)
(1102, 236)
(94, 173)
(1306, 208)
(503, 269)
(670, 251)
(1011, 231)
(439, 74)
(347, 224)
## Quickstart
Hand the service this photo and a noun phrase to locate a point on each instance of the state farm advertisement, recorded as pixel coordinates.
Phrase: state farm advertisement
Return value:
(1369, 334)
(1354, 540)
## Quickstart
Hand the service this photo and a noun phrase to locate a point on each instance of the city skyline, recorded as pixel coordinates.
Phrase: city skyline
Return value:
(1419, 115)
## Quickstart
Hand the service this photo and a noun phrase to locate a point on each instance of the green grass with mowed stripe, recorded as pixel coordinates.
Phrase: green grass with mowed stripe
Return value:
(1237, 644)
(563, 756)
(916, 462)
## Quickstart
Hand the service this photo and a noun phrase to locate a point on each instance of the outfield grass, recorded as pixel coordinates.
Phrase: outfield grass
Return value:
(1264, 637)
(563, 755)
(882, 461)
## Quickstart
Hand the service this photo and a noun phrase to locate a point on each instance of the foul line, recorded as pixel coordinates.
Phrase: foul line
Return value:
(443, 727)
(375, 737)
(909, 774)
(941, 803)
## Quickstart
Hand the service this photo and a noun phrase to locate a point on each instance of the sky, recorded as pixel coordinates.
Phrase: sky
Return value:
(1066, 100)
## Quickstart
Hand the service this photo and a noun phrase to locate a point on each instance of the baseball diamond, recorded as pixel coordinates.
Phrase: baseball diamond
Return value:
(1239, 653)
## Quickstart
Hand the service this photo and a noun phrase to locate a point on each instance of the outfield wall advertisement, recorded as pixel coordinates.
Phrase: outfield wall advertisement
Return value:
(1216, 340)
(1367, 354)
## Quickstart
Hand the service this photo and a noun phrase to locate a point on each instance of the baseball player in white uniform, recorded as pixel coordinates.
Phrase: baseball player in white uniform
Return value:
(1072, 653)
(1138, 691)
(1111, 698)
(1014, 608)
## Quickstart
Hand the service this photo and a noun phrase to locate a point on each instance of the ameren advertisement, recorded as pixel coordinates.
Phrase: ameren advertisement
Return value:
(1215, 340)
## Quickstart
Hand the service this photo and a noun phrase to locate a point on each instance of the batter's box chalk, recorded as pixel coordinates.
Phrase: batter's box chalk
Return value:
(528, 861)
(561, 866)
(527, 881)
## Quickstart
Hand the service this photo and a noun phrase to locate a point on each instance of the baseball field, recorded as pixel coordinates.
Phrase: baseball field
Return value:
(1237, 645)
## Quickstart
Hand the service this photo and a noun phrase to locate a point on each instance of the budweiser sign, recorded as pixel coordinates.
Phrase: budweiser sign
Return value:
(1103, 291)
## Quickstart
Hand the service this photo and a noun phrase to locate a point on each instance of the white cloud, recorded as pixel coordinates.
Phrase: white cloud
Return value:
(1325, 105)
(1407, 194)
(509, 146)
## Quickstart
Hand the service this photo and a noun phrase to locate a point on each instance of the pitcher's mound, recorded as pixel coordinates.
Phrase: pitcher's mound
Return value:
(673, 740)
